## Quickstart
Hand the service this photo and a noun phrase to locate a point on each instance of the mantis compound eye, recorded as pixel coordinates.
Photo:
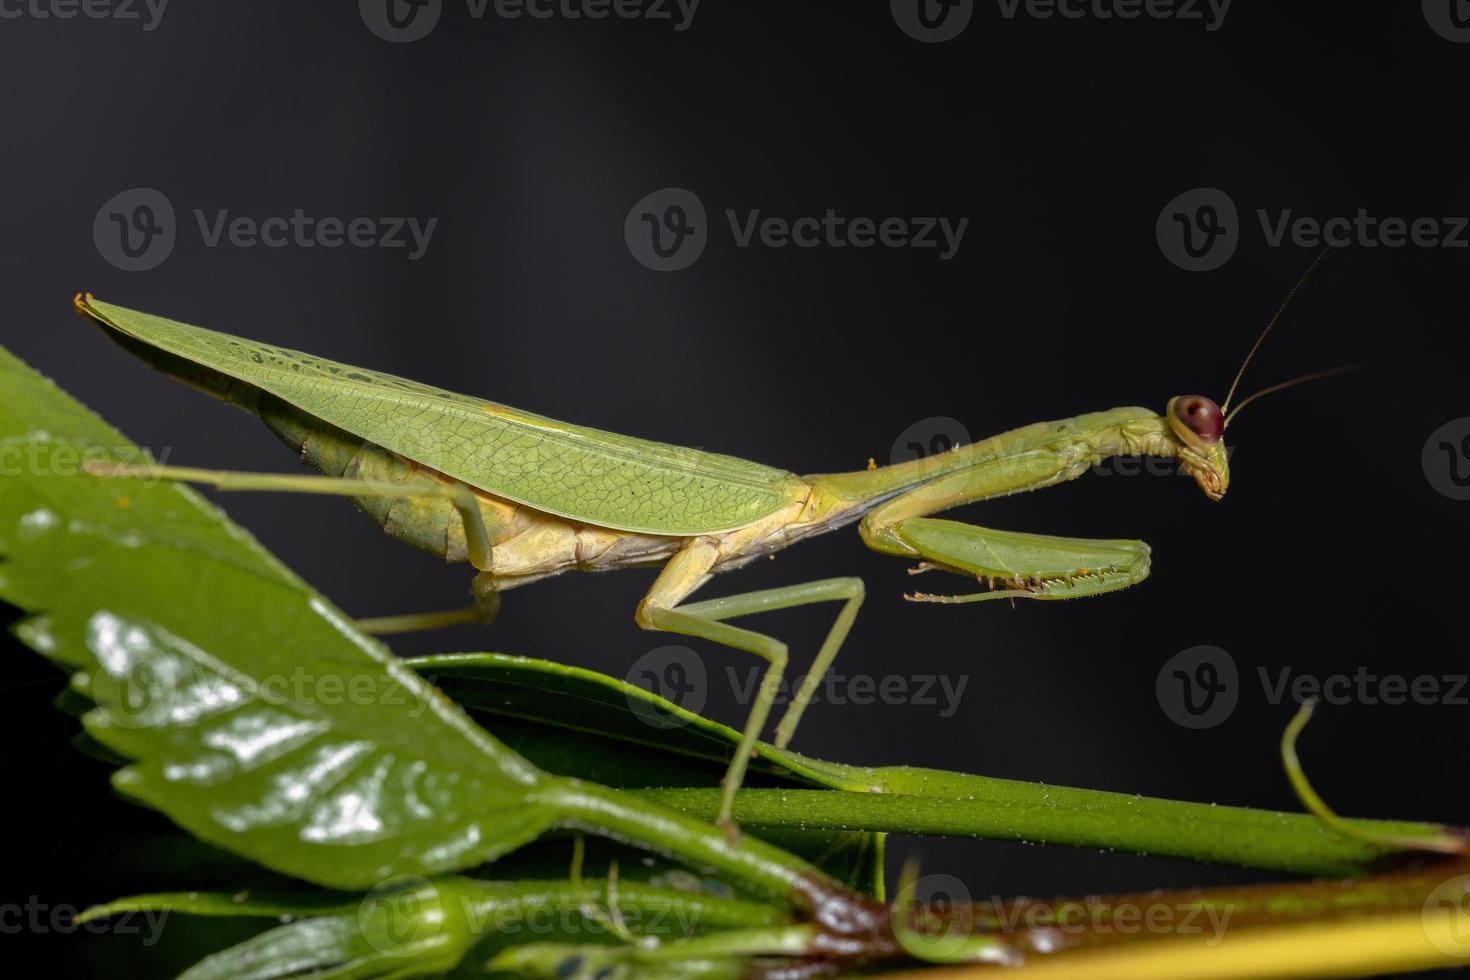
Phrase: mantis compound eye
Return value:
(1201, 416)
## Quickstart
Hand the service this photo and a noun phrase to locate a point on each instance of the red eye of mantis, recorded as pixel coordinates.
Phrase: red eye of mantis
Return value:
(1202, 416)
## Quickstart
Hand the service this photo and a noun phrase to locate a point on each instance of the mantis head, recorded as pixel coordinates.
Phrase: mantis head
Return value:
(1198, 427)
(1197, 424)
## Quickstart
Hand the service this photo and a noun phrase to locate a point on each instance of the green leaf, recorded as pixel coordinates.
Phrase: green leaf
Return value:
(258, 717)
(576, 699)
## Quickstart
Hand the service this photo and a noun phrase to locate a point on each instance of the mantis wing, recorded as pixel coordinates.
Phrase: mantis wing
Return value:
(582, 474)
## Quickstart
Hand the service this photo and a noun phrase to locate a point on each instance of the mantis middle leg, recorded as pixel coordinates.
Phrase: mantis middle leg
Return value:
(661, 609)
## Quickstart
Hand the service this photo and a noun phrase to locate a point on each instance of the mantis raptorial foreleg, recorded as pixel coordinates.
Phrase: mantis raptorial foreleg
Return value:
(1033, 566)
(661, 610)
(477, 535)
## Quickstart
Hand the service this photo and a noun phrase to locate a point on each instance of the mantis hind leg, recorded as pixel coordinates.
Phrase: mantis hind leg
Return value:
(483, 611)
(661, 610)
(477, 535)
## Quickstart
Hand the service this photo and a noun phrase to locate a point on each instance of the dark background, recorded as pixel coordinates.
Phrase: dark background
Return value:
(1060, 140)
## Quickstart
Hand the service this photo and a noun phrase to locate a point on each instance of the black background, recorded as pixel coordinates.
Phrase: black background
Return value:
(1061, 140)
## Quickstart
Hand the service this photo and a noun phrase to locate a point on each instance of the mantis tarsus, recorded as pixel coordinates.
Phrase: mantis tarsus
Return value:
(523, 497)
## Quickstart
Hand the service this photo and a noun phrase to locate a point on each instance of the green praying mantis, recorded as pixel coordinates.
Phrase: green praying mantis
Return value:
(523, 497)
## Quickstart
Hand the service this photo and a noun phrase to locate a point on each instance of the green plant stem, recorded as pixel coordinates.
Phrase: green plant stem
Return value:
(1294, 843)
(587, 806)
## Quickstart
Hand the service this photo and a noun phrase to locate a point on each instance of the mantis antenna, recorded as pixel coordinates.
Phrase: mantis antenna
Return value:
(1225, 407)
(1314, 376)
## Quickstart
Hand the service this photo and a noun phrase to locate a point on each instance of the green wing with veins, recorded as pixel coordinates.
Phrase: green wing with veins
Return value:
(582, 474)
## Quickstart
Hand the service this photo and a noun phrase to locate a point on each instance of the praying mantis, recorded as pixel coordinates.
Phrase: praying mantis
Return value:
(522, 497)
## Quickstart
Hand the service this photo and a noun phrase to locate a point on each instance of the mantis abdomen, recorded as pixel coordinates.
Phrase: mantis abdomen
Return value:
(528, 544)
(431, 524)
